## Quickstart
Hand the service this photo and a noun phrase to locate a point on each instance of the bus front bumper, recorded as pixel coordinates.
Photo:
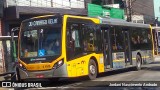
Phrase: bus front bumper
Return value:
(59, 72)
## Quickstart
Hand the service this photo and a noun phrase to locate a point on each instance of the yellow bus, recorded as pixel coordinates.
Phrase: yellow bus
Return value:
(55, 46)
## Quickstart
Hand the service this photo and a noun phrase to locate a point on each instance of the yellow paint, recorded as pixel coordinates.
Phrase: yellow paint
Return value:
(42, 16)
(120, 60)
(142, 57)
(79, 66)
(133, 58)
(146, 57)
(152, 40)
(40, 66)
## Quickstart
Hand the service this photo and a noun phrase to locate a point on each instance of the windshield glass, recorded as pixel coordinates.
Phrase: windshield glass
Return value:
(40, 38)
(41, 42)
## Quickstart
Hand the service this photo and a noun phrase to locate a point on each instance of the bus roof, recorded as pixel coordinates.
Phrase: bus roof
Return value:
(43, 16)
(111, 21)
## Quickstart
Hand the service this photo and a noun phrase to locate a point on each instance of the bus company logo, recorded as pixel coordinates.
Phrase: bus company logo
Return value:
(82, 62)
(6, 84)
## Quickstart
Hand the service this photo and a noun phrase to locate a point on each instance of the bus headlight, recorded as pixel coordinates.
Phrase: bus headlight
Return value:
(22, 66)
(58, 64)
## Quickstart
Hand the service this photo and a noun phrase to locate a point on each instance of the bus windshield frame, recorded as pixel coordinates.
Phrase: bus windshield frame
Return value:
(40, 39)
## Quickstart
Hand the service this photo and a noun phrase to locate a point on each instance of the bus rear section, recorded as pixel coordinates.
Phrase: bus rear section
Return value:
(126, 44)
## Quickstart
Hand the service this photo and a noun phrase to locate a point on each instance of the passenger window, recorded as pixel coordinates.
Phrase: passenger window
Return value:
(140, 38)
(90, 38)
(74, 40)
(117, 38)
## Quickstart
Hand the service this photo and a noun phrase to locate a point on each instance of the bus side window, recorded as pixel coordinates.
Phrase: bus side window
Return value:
(74, 42)
(117, 38)
(89, 39)
(114, 47)
(70, 44)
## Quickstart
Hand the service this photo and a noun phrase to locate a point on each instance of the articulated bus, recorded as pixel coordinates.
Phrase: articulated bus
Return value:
(55, 46)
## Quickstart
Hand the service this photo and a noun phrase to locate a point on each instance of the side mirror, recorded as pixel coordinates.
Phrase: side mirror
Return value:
(15, 29)
(12, 32)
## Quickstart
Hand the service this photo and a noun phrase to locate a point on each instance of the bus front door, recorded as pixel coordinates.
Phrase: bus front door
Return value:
(106, 49)
(128, 60)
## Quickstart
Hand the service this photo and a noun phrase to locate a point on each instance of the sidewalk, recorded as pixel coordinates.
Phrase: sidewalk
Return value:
(1, 78)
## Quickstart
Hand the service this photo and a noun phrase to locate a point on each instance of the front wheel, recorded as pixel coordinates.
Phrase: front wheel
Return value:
(138, 62)
(92, 70)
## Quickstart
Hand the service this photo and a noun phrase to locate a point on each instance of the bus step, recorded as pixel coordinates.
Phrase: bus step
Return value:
(108, 69)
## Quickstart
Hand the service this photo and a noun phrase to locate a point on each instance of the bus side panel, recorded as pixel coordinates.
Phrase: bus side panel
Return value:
(149, 56)
(79, 66)
(146, 56)
(134, 54)
(118, 60)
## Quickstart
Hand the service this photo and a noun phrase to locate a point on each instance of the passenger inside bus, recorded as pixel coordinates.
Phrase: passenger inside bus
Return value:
(53, 47)
(85, 45)
(134, 40)
(119, 47)
(114, 47)
(138, 39)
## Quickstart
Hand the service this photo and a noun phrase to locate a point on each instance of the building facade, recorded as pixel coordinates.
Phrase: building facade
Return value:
(17, 10)
(143, 11)
(157, 11)
(47, 3)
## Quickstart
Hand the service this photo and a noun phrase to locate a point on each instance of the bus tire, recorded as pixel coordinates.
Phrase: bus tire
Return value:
(92, 69)
(138, 62)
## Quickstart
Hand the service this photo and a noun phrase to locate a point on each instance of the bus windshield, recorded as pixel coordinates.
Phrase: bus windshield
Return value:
(40, 40)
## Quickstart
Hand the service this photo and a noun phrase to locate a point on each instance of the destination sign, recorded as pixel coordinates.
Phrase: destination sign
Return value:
(43, 22)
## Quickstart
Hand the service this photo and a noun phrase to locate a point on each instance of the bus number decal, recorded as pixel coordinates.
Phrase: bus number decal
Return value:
(82, 62)
(43, 22)
(46, 66)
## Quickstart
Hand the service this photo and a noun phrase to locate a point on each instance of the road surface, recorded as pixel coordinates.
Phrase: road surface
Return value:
(150, 72)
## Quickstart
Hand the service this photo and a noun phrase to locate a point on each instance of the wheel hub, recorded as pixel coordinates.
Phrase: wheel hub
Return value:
(92, 69)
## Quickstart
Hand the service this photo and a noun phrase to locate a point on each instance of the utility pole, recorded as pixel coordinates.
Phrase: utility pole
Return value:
(129, 10)
(30, 3)
(51, 3)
